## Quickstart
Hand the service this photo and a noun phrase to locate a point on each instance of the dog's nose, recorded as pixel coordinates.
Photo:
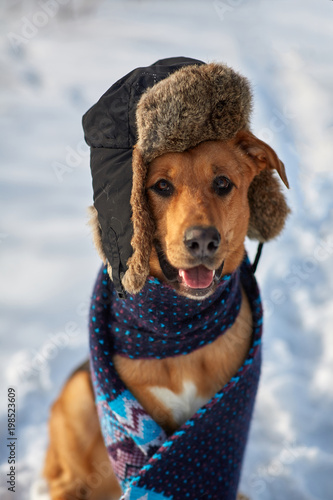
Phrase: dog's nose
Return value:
(202, 241)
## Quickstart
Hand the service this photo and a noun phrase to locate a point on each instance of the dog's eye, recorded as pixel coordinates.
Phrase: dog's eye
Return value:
(222, 185)
(163, 188)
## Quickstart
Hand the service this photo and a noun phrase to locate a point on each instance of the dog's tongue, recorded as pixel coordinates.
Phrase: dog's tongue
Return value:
(197, 277)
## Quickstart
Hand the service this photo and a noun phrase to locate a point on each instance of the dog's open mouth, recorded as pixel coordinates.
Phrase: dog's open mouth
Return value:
(197, 277)
(197, 281)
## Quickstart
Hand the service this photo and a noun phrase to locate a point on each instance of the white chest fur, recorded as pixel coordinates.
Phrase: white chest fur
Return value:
(182, 405)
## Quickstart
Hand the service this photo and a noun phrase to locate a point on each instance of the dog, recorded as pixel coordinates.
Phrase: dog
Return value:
(199, 205)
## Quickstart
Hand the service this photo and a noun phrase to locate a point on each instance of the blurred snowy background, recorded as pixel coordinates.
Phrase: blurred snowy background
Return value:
(57, 58)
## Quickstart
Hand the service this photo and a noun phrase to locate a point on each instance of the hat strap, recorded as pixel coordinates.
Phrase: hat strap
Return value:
(257, 258)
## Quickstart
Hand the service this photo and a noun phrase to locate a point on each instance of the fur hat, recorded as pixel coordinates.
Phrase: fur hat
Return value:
(170, 106)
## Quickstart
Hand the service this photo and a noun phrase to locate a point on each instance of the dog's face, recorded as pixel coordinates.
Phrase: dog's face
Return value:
(199, 202)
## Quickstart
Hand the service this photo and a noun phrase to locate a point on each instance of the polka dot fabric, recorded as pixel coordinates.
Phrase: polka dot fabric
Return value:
(158, 323)
(203, 458)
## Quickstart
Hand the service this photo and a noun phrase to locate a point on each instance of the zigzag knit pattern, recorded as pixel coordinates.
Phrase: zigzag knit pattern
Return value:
(203, 458)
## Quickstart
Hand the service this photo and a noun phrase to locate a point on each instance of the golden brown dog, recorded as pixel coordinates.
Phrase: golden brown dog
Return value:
(199, 202)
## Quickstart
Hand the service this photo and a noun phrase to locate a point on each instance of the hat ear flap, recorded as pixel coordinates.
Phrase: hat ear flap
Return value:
(268, 206)
(143, 228)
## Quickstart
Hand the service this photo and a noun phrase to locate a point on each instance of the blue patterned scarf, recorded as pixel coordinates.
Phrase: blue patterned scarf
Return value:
(203, 458)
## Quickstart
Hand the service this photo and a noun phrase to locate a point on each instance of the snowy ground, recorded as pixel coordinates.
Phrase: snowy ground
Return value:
(63, 62)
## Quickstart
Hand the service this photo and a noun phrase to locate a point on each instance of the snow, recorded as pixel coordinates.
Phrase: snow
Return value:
(67, 57)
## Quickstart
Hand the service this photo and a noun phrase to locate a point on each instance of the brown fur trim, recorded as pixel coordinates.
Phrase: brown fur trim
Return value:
(192, 105)
(268, 207)
(96, 232)
(97, 236)
(143, 229)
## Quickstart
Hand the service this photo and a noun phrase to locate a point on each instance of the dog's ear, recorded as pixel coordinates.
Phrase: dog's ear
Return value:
(143, 228)
(268, 206)
(262, 155)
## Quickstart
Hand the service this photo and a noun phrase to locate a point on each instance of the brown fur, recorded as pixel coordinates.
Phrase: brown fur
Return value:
(96, 232)
(268, 208)
(75, 438)
(267, 205)
(194, 104)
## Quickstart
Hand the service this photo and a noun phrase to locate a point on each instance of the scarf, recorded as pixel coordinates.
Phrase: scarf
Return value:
(203, 458)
